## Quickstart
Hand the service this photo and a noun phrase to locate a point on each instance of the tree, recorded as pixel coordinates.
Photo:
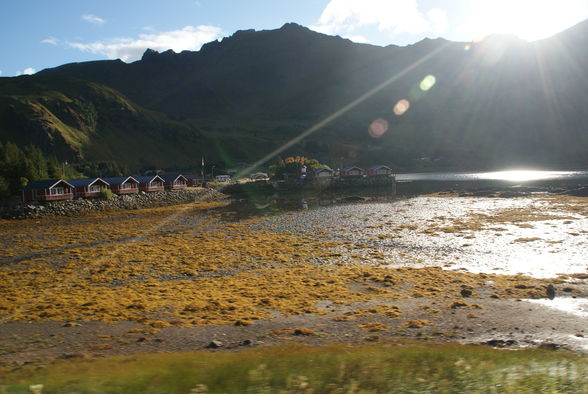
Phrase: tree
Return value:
(20, 166)
(293, 165)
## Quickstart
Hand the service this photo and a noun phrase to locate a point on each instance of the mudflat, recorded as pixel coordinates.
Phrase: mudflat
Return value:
(432, 268)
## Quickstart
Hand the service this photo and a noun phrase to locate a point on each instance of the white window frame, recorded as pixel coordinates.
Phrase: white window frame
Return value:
(57, 191)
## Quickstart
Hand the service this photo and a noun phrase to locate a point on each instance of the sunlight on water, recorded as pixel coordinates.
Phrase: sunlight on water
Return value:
(520, 175)
(508, 176)
(574, 306)
(529, 236)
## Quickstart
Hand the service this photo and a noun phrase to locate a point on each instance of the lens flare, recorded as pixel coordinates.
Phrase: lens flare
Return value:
(427, 83)
(416, 94)
(467, 47)
(401, 107)
(378, 127)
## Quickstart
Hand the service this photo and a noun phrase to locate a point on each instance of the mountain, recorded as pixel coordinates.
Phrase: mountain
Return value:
(497, 103)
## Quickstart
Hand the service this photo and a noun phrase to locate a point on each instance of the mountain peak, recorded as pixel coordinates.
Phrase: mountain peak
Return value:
(293, 26)
(149, 54)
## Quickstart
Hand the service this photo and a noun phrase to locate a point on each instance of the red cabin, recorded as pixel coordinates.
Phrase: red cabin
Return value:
(47, 190)
(89, 187)
(352, 172)
(379, 171)
(150, 183)
(174, 181)
(123, 185)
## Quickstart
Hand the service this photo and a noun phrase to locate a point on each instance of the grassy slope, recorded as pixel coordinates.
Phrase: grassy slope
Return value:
(338, 368)
(78, 120)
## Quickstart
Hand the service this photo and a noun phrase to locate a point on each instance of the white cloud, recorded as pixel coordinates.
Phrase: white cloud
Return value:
(50, 40)
(96, 20)
(345, 17)
(26, 71)
(358, 38)
(438, 20)
(130, 49)
(0, 72)
(527, 19)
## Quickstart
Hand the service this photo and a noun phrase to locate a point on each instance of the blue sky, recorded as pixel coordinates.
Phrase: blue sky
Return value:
(36, 34)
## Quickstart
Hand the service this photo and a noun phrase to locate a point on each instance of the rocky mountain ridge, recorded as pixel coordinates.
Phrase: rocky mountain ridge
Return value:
(497, 103)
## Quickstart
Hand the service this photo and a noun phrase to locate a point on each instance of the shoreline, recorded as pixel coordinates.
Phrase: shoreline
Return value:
(133, 201)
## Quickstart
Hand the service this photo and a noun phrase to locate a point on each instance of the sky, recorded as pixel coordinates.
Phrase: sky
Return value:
(38, 34)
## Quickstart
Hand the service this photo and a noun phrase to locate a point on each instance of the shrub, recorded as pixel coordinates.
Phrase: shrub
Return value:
(106, 194)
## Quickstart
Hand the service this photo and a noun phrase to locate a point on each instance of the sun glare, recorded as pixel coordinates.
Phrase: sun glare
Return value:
(518, 175)
(527, 19)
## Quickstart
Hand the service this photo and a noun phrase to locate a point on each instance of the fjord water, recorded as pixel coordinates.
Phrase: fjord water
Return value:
(431, 182)
(507, 176)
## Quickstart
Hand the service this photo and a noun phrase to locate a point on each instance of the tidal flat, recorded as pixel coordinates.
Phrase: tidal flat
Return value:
(436, 268)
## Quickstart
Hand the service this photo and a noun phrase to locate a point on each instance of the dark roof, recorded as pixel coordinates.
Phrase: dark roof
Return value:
(376, 167)
(351, 168)
(171, 177)
(118, 180)
(44, 184)
(85, 181)
(147, 178)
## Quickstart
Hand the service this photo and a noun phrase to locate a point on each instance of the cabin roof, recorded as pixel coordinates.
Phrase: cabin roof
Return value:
(172, 177)
(118, 180)
(148, 178)
(85, 181)
(349, 168)
(377, 167)
(44, 184)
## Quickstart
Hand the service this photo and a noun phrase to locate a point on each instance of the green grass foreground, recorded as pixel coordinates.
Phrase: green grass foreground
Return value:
(378, 368)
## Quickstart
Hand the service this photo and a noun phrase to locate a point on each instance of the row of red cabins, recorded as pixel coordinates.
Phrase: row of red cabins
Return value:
(358, 172)
(59, 189)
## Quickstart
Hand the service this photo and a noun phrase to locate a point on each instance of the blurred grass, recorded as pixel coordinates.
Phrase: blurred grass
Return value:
(383, 368)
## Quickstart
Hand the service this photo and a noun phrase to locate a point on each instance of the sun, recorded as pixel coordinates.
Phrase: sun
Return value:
(527, 19)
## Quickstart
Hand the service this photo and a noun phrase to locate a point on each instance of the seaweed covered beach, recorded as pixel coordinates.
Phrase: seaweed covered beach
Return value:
(437, 268)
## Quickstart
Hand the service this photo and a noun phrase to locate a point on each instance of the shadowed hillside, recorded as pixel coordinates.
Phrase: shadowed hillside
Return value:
(494, 104)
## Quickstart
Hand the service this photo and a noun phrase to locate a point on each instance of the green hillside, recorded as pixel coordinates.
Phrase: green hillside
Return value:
(83, 121)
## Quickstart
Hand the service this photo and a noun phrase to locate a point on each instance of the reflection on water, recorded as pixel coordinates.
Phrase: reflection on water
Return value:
(450, 232)
(508, 176)
(492, 235)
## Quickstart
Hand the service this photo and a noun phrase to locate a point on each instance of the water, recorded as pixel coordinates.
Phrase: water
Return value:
(534, 235)
(530, 236)
(505, 176)
(422, 183)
